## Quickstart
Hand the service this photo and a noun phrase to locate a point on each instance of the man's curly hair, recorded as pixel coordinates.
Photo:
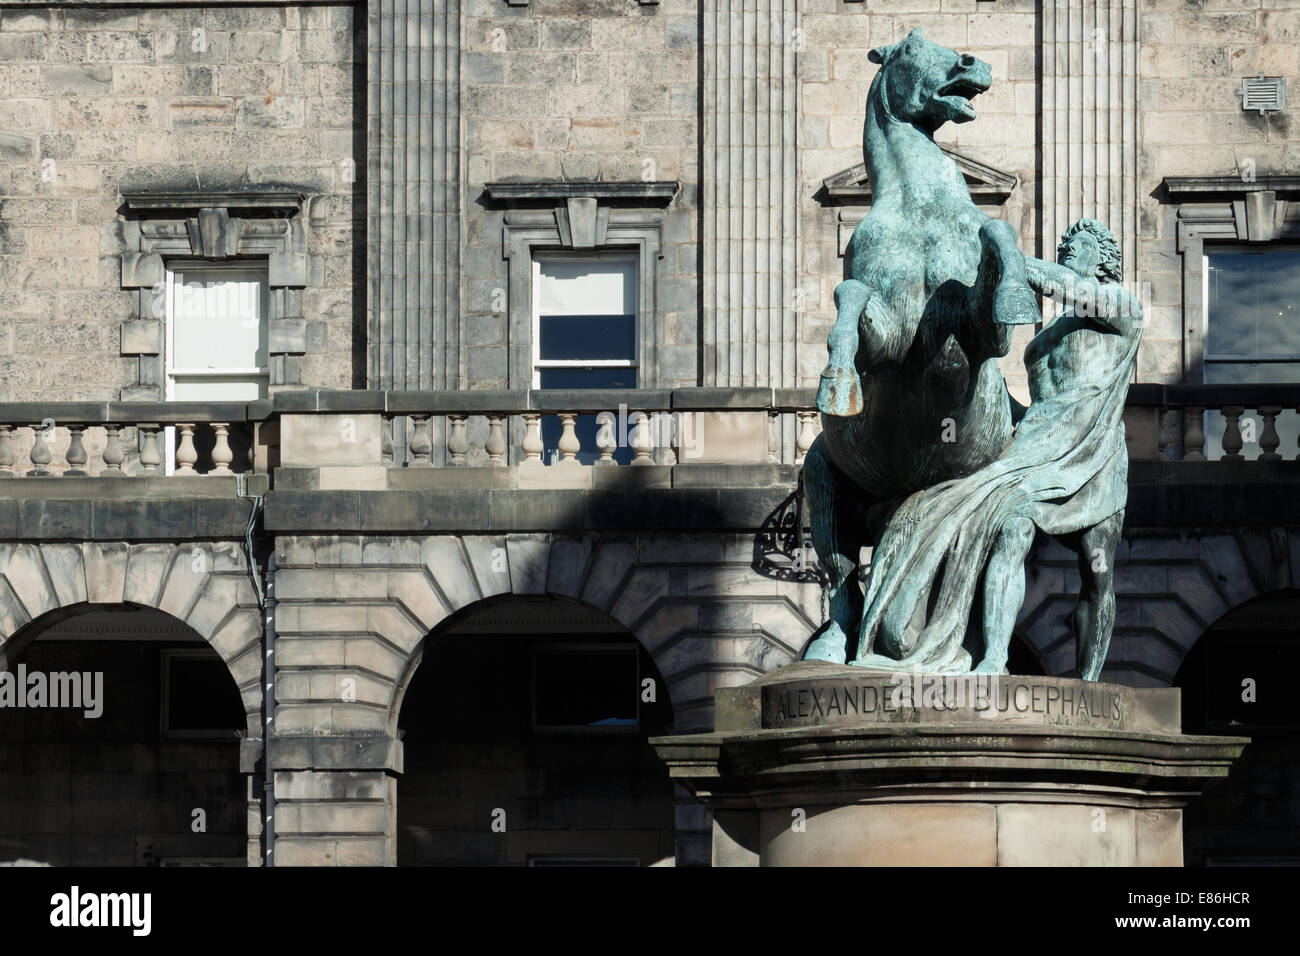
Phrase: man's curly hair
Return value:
(1110, 268)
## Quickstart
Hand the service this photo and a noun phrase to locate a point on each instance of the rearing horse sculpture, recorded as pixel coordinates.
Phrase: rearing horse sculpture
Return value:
(912, 394)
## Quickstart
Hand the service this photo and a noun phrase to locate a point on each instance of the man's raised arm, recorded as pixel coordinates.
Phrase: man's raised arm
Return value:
(1109, 303)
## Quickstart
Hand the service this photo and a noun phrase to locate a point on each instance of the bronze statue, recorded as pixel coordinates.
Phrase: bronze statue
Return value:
(914, 406)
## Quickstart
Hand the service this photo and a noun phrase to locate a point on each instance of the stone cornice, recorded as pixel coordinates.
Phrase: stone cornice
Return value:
(185, 201)
(660, 192)
(1221, 185)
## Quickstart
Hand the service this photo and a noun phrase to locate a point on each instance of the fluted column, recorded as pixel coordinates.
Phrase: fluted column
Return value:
(749, 174)
(413, 187)
(1089, 121)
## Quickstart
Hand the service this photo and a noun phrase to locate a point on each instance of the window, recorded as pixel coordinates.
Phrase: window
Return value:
(216, 332)
(1252, 334)
(592, 688)
(198, 698)
(1252, 301)
(216, 339)
(585, 335)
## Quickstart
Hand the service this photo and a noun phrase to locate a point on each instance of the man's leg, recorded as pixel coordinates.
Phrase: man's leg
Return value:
(1094, 614)
(1004, 592)
(838, 537)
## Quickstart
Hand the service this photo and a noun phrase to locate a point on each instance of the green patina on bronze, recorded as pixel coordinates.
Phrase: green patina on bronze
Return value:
(916, 411)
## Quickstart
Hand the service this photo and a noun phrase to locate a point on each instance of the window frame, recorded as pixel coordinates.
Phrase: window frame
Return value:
(165, 731)
(601, 255)
(173, 266)
(1209, 358)
(1222, 210)
(589, 647)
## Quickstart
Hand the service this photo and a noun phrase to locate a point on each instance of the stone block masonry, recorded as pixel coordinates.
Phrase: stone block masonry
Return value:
(95, 102)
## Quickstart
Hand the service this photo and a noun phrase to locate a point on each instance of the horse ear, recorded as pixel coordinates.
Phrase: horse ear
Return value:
(916, 32)
(880, 53)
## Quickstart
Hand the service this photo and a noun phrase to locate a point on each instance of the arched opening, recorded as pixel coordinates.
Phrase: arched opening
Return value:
(524, 730)
(1236, 681)
(119, 743)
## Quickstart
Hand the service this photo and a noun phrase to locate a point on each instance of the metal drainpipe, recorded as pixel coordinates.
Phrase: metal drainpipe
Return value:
(266, 600)
(269, 706)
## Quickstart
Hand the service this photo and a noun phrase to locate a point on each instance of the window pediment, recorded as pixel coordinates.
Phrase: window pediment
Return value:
(852, 186)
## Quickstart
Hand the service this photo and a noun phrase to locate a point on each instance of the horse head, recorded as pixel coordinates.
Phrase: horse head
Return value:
(926, 85)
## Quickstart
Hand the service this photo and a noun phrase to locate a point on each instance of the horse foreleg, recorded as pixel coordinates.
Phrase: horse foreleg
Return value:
(838, 535)
(1002, 295)
(840, 391)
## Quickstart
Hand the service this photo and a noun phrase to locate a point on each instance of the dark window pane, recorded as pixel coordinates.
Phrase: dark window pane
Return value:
(1251, 373)
(585, 688)
(586, 424)
(589, 377)
(588, 337)
(585, 428)
(201, 696)
(1254, 303)
(1272, 706)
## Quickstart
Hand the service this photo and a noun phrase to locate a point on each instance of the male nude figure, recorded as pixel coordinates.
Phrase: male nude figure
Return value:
(1099, 330)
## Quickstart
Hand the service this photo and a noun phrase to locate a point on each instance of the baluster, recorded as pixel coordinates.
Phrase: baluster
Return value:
(773, 441)
(1232, 433)
(150, 456)
(6, 452)
(113, 452)
(1167, 433)
(1268, 436)
(568, 445)
(605, 441)
(76, 456)
(222, 456)
(1194, 442)
(532, 444)
(186, 454)
(421, 443)
(806, 435)
(458, 439)
(664, 427)
(386, 441)
(40, 455)
(687, 429)
(641, 443)
(495, 446)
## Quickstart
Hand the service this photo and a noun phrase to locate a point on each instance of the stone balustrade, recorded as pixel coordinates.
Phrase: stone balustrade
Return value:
(1224, 423)
(126, 439)
(539, 429)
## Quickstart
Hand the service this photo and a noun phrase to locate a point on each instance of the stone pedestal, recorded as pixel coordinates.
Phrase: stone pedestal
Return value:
(825, 764)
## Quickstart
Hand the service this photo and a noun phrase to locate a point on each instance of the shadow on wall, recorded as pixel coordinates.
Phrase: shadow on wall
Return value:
(525, 733)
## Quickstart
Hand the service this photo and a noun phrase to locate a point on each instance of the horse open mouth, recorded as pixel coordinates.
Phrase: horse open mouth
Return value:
(960, 92)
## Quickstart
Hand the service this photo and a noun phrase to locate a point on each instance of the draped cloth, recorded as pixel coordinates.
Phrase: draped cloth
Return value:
(1066, 469)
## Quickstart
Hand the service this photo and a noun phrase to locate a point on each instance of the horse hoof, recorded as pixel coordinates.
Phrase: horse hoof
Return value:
(951, 361)
(1015, 304)
(840, 392)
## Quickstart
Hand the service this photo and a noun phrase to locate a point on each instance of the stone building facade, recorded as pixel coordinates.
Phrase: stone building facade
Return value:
(374, 441)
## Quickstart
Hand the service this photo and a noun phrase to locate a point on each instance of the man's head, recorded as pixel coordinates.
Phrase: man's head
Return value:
(1089, 249)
